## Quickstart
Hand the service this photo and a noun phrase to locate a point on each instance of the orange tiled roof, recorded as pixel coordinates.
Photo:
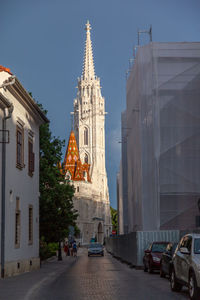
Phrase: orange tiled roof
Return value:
(5, 70)
(72, 162)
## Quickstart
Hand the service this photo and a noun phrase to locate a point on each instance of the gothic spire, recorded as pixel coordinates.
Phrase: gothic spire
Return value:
(88, 64)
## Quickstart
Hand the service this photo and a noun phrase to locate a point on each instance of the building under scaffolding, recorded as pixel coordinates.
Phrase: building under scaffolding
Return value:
(163, 137)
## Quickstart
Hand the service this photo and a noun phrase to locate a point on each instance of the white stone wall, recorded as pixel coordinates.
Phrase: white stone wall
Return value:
(20, 184)
(89, 110)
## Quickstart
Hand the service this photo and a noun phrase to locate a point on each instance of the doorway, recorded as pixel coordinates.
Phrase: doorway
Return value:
(100, 234)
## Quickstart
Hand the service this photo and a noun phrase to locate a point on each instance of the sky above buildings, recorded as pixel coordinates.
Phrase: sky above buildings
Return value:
(42, 42)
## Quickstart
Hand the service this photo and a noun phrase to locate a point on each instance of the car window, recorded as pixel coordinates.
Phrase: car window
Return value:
(158, 247)
(182, 243)
(95, 245)
(186, 242)
(189, 243)
(197, 246)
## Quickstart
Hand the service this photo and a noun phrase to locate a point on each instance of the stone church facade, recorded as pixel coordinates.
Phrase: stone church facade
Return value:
(84, 163)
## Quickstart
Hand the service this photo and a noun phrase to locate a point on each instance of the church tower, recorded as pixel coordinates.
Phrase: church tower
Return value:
(84, 163)
(89, 122)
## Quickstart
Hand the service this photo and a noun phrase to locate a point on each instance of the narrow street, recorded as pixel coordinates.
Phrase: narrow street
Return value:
(87, 278)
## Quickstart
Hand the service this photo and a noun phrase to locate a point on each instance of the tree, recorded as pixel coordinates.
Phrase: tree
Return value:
(56, 205)
(114, 218)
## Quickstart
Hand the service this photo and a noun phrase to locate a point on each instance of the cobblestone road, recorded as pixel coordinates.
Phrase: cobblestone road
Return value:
(83, 278)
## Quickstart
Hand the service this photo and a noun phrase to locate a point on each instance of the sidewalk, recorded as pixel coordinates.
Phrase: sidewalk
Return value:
(22, 286)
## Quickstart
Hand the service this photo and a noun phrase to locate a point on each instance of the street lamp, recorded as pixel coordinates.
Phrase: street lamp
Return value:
(59, 250)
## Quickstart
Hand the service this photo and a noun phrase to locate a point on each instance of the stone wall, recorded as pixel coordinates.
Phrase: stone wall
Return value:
(21, 266)
(93, 219)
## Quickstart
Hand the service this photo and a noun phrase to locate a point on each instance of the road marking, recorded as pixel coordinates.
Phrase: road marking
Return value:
(38, 285)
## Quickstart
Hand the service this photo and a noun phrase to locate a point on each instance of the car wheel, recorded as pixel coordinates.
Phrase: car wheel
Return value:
(175, 286)
(150, 270)
(145, 267)
(193, 289)
(162, 274)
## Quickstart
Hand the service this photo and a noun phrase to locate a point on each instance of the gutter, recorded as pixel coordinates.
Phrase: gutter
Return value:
(18, 91)
(7, 115)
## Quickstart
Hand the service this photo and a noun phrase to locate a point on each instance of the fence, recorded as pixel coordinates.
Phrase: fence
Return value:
(130, 247)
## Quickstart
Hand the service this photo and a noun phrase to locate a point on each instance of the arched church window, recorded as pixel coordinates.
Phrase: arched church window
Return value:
(85, 136)
(85, 175)
(86, 158)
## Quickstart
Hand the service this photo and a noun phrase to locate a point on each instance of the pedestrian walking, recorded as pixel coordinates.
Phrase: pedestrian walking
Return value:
(71, 249)
(74, 249)
(66, 249)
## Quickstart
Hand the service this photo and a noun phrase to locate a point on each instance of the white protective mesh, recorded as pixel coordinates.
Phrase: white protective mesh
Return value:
(163, 144)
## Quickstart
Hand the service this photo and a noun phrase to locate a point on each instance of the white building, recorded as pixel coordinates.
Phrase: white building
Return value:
(92, 196)
(163, 148)
(20, 119)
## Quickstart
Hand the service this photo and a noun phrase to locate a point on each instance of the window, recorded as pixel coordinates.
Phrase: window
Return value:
(30, 224)
(85, 175)
(86, 158)
(189, 243)
(17, 224)
(85, 136)
(20, 147)
(31, 157)
(159, 247)
(197, 246)
(186, 242)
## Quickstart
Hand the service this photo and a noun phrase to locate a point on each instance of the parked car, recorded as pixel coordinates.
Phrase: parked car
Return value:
(166, 260)
(186, 265)
(152, 256)
(95, 249)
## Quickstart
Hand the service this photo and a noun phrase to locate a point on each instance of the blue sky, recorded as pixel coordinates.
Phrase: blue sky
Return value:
(42, 42)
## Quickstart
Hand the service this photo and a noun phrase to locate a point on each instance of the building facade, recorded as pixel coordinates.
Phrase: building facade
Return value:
(20, 119)
(91, 196)
(163, 149)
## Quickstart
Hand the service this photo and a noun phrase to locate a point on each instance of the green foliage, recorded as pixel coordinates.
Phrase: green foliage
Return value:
(114, 218)
(47, 250)
(53, 247)
(76, 231)
(56, 206)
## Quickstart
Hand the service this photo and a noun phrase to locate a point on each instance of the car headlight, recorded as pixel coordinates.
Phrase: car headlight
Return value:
(156, 259)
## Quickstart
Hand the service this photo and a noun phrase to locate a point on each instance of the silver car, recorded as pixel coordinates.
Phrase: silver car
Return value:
(186, 265)
(95, 249)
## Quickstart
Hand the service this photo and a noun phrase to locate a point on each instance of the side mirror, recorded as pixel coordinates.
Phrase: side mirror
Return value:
(184, 250)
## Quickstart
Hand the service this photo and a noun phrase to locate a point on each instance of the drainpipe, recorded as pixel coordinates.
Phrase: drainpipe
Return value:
(7, 114)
